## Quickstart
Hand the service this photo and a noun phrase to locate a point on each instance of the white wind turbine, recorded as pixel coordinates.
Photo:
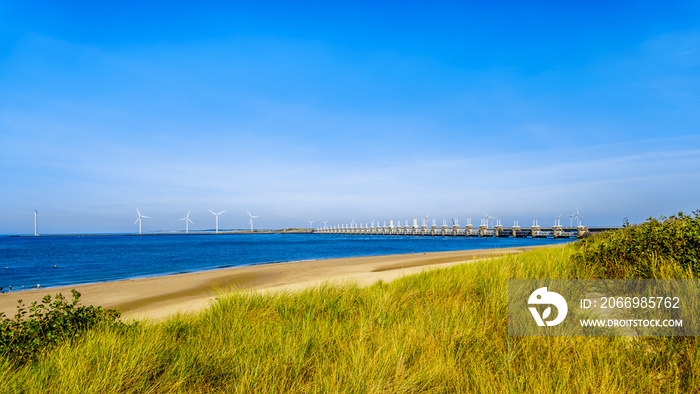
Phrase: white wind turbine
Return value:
(578, 218)
(324, 224)
(571, 220)
(311, 223)
(187, 222)
(487, 218)
(557, 220)
(217, 218)
(139, 219)
(251, 220)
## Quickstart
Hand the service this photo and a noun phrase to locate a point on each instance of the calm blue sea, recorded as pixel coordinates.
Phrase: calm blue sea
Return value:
(29, 261)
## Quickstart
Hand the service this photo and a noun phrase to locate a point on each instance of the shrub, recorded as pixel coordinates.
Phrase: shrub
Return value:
(638, 250)
(42, 325)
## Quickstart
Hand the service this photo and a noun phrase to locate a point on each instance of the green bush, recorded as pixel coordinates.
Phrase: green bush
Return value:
(642, 251)
(37, 328)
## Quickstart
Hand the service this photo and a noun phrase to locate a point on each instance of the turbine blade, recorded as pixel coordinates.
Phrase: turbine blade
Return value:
(211, 211)
(147, 217)
(220, 212)
(137, 220)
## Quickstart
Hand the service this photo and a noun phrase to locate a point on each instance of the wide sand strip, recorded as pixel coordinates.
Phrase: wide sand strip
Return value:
(162, 296)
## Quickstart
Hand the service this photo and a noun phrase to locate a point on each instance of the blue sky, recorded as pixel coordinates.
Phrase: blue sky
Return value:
(311, 110)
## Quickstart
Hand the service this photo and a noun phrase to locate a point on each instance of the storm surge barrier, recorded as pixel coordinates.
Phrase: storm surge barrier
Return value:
(484, 230)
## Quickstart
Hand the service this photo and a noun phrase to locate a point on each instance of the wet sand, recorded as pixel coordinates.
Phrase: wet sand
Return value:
(157, 298)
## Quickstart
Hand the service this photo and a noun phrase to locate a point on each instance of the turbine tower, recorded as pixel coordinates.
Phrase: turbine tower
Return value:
(487, 218)
(251, 220)
(187, 222)
(139, 219)
(578, 218)
(217, 218)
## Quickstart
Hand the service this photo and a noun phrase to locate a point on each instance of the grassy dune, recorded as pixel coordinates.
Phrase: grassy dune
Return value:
(439, 331)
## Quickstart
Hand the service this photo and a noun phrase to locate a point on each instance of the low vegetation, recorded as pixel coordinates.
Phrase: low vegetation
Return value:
(34, 330)
(664, 247)
(439, 331)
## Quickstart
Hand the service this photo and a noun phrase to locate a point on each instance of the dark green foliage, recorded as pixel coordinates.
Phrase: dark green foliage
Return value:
(638, 250)
(35, 329)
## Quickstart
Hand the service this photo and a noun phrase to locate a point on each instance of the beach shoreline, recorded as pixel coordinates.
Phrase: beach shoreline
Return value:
(156, 298)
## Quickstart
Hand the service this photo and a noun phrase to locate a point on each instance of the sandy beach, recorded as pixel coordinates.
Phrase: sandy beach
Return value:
(159, 297)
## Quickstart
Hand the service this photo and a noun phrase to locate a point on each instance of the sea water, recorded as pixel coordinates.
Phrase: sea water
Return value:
(70, 260)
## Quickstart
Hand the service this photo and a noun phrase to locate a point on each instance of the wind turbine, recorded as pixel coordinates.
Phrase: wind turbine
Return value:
(187, 222)
(217, 218)
(571, 219)
(139, 219)
(353, 224)
(311, 223)
(487, 218)
(578, 218)
(557, 220)
(251, 220)
(324, 224)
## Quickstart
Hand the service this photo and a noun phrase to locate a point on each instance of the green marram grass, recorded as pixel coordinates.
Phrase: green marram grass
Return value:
(439, 331)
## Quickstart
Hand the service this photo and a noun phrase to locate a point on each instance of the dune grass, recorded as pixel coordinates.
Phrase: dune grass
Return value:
(438, 331)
